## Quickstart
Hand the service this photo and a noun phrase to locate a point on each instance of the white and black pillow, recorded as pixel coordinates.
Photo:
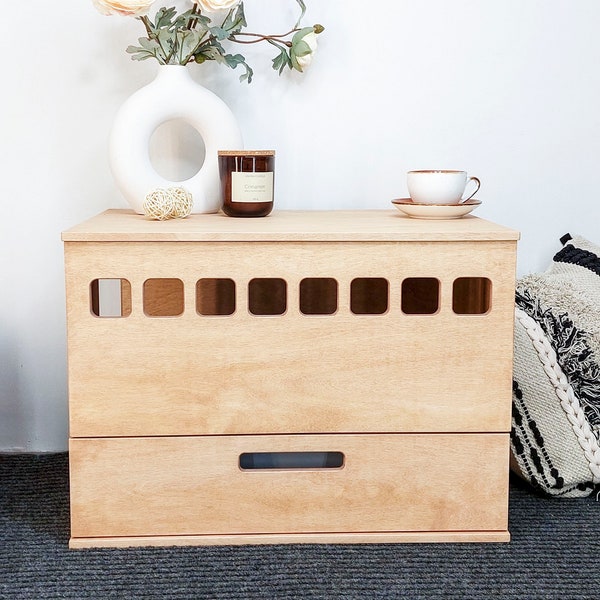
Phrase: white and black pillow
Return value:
(556, 381)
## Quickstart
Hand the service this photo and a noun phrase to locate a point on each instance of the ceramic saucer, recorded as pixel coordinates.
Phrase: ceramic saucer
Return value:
(435, 211)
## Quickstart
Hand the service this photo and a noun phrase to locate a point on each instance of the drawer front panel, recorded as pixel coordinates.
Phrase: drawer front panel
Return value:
(242, 373)
(195, 485)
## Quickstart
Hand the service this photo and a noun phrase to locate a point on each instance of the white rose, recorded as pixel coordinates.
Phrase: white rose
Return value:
(127, 8)
(304, 61)
(215, 5)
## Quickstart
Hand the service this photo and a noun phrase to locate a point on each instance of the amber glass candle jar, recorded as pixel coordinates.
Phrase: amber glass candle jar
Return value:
(247, 182)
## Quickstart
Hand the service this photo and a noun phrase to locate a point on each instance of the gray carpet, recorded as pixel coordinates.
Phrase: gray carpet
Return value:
(554, 553)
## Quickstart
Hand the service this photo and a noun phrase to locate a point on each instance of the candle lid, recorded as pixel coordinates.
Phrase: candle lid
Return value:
(246, 153)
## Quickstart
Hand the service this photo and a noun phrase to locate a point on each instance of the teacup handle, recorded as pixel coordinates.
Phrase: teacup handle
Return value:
(478, 183)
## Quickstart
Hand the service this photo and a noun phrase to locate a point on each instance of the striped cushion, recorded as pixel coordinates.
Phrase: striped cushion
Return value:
(556, 387)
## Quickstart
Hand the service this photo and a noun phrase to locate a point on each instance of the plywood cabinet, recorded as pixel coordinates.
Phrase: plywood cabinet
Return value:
(379, 344)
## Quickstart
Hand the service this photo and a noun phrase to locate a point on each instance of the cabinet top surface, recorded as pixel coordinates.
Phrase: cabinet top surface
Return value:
(121, 225)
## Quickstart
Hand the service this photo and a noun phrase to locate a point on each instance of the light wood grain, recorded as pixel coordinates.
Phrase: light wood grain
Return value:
(193, 485)
(292, 372)
(161, 406)
(423, 537)
(286, 225)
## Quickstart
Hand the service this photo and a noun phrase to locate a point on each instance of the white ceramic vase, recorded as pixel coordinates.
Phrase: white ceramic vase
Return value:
(173, 94)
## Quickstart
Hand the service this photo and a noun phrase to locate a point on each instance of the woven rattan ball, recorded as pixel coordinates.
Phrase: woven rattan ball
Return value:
(182, 202)
(172, 203)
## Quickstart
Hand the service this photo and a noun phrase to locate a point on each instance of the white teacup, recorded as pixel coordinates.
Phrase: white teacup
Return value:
(439, 187)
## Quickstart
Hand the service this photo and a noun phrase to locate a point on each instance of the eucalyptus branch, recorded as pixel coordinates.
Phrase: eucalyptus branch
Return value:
(182, 37)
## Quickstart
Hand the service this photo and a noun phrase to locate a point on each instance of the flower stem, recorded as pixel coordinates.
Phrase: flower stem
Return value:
(261, 38)
(192, 21)
(279, 45)
(303, 11)
(144, 19)
(152, 36)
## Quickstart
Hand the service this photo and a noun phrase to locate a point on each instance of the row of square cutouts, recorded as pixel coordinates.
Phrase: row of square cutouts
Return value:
(164, 297)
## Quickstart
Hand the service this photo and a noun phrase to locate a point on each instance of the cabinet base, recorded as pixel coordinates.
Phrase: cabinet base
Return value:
(410, 537)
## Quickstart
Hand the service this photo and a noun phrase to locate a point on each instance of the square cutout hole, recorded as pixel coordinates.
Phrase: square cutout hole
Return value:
(215, 296)
(471, 295)
(267, 296)
(369, 295)
(110, 298)
(318, 296)
(420, 295)
(163, 297)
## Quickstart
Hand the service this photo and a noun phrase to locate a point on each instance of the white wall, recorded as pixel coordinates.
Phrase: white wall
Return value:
(509, 91)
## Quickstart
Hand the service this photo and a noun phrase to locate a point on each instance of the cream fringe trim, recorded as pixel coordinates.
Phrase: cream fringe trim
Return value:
(569, 402)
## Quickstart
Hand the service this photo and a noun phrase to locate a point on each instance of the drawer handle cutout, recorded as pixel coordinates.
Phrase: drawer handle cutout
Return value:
(258, 461)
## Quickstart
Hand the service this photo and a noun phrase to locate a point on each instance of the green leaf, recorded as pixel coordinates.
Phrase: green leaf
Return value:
(164, 17)
(301, 33)
(187, 42)
(219, 33)
(281, 61)
(139, 53)
(204, 21)
(167, 43)
(295, 63)
(149, 45)
(301, 48)
(214, 51)
(233, 60)
(235, 20)
(187, 18)
(247, 76)
(165, 37)
(142, 56)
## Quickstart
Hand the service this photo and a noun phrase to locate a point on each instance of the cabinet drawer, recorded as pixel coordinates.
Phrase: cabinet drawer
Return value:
(178, 486)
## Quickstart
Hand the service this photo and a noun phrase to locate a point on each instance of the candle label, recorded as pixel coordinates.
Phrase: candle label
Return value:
(252, 187)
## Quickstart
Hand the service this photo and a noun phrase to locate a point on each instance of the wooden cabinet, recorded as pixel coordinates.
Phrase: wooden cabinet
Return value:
(379, 344)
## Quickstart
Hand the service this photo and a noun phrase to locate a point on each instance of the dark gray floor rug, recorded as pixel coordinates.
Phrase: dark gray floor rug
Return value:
(554, 553)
